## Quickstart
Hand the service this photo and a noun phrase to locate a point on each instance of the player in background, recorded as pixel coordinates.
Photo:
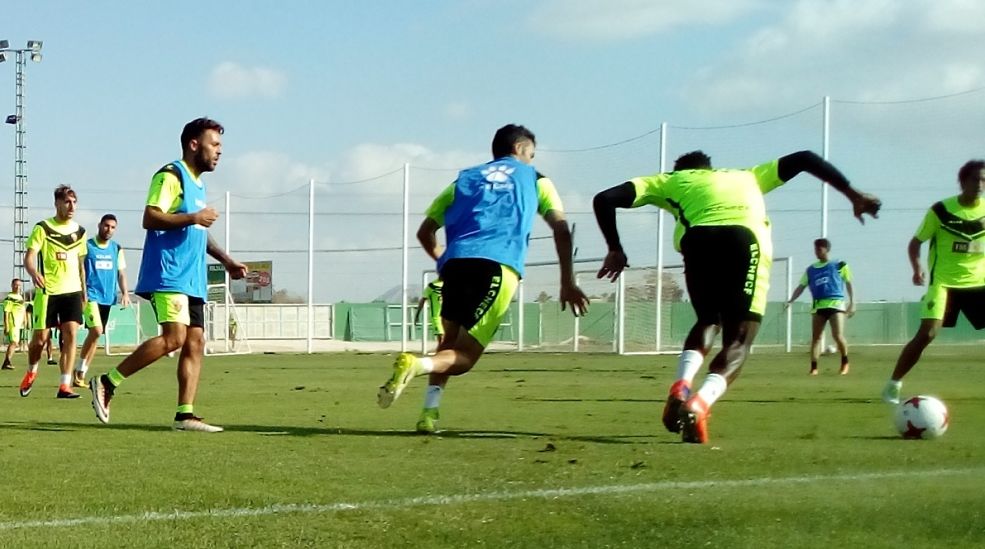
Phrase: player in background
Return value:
(955, 228)
(432, 296)
(13, 321)
(487, 214)
(55, 253)
(172, 273)
(105, 274)
(724, 235)
(830, 283)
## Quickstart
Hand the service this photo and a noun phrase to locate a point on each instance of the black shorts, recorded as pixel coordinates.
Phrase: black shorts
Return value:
(721, 268)
(970, 301)
(62, 308)
(827, 312)
(471, 287)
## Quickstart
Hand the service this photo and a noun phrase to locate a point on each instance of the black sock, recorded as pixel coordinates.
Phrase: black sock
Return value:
(813, 365)
(844, 359)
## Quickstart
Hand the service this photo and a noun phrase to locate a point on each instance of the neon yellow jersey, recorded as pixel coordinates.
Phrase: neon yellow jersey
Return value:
(711, 197)
(165, 191)
(13, 309)
(957, 243)
(548, 199)
(61, 248)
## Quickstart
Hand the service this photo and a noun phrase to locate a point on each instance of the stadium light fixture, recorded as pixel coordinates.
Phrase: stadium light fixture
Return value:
(3, 57)
(36, 57)
(12, 118)
(4, 44)
(34, 45)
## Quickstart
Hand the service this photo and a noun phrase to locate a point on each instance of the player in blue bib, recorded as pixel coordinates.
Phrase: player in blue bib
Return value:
(106, 274)
(830, 282)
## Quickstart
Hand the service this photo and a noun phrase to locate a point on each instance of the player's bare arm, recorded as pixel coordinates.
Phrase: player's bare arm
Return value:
(156, 219)
(31, 265)
(235, 269)
(570, 293)
(427, 235)
(605, 204)
(807, 161)
(913, 252)
(796, 293)
(121, 279)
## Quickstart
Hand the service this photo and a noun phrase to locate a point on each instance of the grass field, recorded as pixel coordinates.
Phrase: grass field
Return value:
(539, 451)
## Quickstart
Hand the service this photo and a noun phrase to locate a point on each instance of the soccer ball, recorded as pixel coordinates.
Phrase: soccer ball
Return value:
(831, 349)
(921, 417)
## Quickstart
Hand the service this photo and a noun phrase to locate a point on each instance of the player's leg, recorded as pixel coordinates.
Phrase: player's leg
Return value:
(838, 334)
(189, 372)
(172, 311)
(818, 320)
(937, 310)
(40, 338)
(12, 334)
(427, 423)
(94, 324)
(69, 311)
(742, 274)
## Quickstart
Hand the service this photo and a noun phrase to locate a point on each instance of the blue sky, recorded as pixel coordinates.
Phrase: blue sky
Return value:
(342, 91)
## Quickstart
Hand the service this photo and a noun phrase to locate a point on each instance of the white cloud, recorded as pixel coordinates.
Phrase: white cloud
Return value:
(263, 172)
(621, 19)
(457, 110)
(230, 80)
(849, 49)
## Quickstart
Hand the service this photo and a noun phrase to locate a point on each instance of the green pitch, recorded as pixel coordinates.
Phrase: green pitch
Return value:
(538, 451)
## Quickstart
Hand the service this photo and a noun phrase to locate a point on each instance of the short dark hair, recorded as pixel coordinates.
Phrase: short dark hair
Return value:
(110, 217)
(970, 169)
(822, 243)
(195, 129)
(694, 160)
(64, 191)
(508, 136)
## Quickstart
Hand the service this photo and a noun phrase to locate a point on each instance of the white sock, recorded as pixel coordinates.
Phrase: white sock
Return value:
(432, 398)
(897, 384)
(82, 366)
(66, 379)
(425, 365)
(713, 388)
(33, 367)
(688, 365)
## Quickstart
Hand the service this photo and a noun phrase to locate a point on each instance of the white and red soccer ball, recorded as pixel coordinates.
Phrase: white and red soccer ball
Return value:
(921, 417)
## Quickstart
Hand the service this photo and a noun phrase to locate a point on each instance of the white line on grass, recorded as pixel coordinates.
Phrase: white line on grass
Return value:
(319, 508)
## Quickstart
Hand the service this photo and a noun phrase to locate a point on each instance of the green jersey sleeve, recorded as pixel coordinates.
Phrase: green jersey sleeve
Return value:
(767, 176)
(928, 227)
(845, 272)
(547, 197)
(803, 280)
(436, 211)
(165, 192)
(36, 239)
(650, 191)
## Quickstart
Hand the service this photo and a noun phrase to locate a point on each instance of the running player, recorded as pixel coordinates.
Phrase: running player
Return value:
(13, 321)
(172, 273)
(955, 228)
(487, 214)
(55, 253)
(830, 282)
(105, 274)
(724, 235)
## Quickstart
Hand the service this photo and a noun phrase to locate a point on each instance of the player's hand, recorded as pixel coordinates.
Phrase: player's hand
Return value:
(38, 280)
(125, 301)
(236, 270)
(573, 296)
(786, 305)
(613, 264)
(918, 278)
(851, 311)
(205, 217)
(866, 204)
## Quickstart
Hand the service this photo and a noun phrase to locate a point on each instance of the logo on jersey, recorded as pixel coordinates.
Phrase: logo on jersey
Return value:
(497, 174)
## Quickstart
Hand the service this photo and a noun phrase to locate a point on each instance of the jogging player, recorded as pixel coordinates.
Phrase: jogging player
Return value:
(172, 273)
(13, 321)
(105, 275)
(55, 254)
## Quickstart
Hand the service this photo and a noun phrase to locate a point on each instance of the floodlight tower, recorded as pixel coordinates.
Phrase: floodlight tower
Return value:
(32, 51)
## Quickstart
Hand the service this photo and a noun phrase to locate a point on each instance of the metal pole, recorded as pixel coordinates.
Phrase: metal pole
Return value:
(404, 267)
(20, 170)
(311, 265)
(789, 340)
(660, 243)
(226, 242)
(825, 152)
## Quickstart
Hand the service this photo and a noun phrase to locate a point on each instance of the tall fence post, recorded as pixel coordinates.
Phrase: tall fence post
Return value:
(311, 266)
(404, 260)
